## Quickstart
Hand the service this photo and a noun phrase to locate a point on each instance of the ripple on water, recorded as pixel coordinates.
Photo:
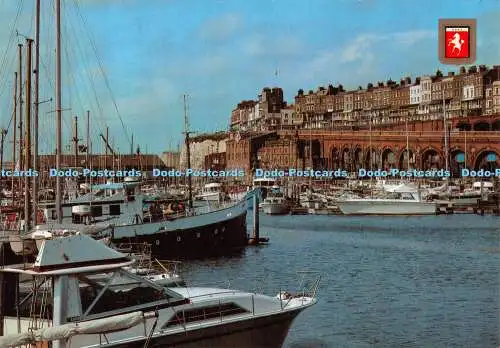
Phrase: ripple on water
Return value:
(388, 282)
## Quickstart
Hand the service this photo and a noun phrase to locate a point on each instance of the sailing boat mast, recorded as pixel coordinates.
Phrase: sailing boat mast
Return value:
(188, 155)
(58, 111)
(27, 141)
(36, 104)
(310, 157)
(14, 137)
(407, 143)
(20, 110)
(445, 132)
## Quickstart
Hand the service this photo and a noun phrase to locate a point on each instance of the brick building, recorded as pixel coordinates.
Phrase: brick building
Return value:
(470, 92)
(278, 154)
(242, 150)
(215, 161)
(261, 115)
(470, 99)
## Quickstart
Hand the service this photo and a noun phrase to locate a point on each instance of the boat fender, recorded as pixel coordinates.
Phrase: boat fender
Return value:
(216, 232)
(198, 235)
(157, 242)
(179, 238)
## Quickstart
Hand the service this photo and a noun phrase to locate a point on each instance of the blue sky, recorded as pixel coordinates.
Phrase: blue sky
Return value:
(222, 51)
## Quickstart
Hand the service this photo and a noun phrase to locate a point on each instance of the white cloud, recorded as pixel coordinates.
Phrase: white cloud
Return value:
(211, 64)
(358, 48)
(221, 28)
(358, 61)
(261, 45)
(412, 37)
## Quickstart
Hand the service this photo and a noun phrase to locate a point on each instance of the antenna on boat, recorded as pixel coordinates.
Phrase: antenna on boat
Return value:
(188, 153)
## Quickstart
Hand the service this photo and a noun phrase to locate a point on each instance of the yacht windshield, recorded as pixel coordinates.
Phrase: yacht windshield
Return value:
(119, 291)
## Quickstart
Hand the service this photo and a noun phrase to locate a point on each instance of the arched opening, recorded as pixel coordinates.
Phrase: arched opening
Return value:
(487, 160)
(336, 158)
(358, 158)
(388, 159)
(431, 160)
(482, 126)
(495, 126)
(407, 160)
(464, 126)
(457, 162)
(372, 159)
(346, 159)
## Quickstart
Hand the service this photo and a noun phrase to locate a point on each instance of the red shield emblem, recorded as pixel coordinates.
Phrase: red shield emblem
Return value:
(457, 42)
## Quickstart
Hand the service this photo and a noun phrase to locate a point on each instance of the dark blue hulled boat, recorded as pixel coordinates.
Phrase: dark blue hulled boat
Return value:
(180, 233)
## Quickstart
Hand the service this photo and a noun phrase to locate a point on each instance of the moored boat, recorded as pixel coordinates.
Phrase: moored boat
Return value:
(275, 204)
(400, 200)
(85, 311)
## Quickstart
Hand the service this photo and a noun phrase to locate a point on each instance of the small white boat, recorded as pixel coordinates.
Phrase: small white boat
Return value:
(275, 204)
(212, 192)
(400, 200)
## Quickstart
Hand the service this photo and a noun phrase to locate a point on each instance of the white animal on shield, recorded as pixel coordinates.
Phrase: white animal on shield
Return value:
(456, 42)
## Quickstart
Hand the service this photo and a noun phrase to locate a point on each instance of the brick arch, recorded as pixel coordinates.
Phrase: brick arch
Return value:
(464, 126)
(345, 156)
(480, 159)
(481, 126)
(385, 157)
(429, 160)
(368, 153)
(357, 156)
(456, 166)
(495, 125)
(335, 154)
(402, 162)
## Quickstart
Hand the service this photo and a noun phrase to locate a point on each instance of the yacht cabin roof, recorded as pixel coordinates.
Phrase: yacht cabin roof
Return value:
(74, 254)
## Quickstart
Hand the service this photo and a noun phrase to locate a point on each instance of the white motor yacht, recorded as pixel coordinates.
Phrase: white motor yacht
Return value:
(86, 311)
(401, 200)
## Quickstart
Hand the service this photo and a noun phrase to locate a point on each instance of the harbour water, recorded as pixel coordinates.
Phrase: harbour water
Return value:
(429, 281)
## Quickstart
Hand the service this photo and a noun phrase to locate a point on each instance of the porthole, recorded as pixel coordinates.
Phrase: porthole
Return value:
(223, 228)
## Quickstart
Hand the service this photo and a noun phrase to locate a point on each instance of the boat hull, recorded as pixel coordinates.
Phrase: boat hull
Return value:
(275, 208)
(254, 332)
(380, 207)
(258, 332)
(220, 232)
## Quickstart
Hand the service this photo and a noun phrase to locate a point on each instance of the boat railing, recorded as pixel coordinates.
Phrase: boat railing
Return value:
(228, 309)
(308, 286)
